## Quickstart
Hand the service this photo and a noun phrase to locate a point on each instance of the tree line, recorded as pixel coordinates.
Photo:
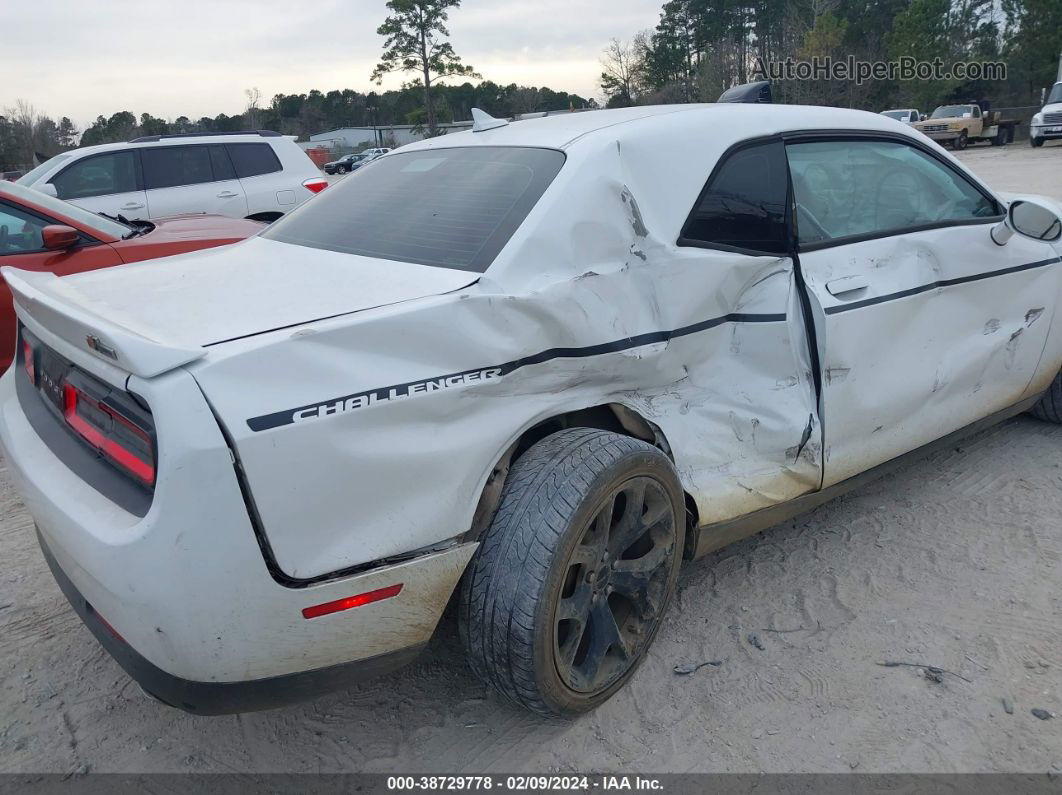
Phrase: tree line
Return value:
(26, 133)
(702, 47)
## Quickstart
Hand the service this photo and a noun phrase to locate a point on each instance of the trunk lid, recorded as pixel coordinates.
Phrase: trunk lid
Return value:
(152, 316)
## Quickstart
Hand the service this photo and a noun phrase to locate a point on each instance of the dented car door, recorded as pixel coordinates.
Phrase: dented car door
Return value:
(742, 420)
(925, 325)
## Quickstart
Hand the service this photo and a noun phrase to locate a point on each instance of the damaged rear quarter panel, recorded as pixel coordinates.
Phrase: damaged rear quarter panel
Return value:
(590, 303)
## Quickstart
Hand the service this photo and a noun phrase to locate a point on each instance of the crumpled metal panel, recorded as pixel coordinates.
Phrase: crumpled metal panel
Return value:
(372, 435)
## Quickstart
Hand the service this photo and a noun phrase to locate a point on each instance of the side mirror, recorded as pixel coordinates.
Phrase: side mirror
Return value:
(57, 237)
(1028, 218)
(48, 189)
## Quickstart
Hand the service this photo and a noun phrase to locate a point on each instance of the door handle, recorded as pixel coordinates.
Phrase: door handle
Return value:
(132, 206)
(847, 284)
(227, 194)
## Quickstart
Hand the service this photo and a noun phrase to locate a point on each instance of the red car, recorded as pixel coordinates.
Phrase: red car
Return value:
(41, 233)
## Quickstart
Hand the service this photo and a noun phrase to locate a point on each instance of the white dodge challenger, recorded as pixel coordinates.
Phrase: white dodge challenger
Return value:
(528, 368)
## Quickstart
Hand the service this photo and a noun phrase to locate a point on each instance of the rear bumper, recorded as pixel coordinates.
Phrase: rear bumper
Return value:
(222, 698)
(204, 625)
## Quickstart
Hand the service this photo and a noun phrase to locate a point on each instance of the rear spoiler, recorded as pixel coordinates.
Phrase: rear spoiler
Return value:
(56, 304)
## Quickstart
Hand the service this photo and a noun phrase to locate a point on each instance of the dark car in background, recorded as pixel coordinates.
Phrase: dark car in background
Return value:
(348, 163)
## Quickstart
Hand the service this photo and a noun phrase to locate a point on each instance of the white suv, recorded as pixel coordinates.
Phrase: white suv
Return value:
(259, 175)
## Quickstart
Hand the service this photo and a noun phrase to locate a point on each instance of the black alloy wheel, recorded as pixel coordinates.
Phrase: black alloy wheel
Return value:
(615, 586)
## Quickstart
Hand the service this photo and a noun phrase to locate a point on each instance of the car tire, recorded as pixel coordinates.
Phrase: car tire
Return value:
(1035, 143)
(1049, 409)
(570, 583)
(962, 141)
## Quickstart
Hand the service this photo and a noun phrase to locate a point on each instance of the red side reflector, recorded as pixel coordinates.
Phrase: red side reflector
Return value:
(352, 601)
(315, 184)
(109, 447)
(27, 358)
(107, 626)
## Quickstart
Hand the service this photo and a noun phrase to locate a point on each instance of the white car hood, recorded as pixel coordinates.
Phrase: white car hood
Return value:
(248, 288)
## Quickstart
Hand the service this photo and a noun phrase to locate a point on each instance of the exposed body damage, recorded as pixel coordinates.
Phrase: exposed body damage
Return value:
(667, 334)
(348, 427)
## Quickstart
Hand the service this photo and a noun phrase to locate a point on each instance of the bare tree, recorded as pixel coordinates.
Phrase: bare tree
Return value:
(25, 123)
(253, 96)
(621, 65)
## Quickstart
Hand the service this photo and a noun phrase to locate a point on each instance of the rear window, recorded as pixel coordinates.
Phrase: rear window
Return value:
(250, 160)
(450, 208)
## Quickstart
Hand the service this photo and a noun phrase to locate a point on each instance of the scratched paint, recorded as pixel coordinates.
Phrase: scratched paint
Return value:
(607, 273)
(902, 373)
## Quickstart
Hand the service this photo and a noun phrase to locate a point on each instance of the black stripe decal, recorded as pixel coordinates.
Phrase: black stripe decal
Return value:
(341, 405)
(881, 299)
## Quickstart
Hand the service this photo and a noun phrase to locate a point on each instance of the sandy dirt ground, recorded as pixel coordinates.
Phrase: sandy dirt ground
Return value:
(1018, 167)
(954, 561)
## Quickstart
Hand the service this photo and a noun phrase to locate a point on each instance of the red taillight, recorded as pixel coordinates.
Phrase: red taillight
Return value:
(108, 444)
(27, 361)
(315, 184)
(352, 601)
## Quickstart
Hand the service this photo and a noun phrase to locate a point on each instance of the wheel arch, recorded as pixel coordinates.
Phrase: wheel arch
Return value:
(615, 417)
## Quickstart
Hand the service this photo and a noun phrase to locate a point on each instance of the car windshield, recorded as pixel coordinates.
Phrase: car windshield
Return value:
(895, 114)
(950, 112)
(34, 174)
(1055, 95)
(105, 226)
(449, 208)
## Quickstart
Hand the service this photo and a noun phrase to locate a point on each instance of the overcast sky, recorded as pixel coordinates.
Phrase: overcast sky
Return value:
(195, 58)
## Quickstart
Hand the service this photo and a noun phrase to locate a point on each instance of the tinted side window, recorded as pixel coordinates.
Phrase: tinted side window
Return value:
(219, 159)
(744, 204)
(99, 175)
(169, 166)
(20, 232)
(846, 189)
(250, 160)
